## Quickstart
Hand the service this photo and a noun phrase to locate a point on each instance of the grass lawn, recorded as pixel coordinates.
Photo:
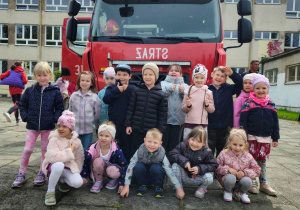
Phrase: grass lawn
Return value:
(284, 114)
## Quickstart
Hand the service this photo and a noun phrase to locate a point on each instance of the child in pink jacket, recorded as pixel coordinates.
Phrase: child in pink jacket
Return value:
(237, 167)
(239, 101)
(198, 101)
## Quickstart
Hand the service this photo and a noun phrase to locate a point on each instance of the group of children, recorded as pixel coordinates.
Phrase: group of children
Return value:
(145, 129)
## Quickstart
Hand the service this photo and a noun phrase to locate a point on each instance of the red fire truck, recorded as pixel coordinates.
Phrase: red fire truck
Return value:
(185, 32)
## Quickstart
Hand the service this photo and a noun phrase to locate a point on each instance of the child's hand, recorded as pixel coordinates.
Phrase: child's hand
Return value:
(206, 100)
(228, 71)
(188, 101)
(188, 166)
(194, 170)
(125, 191)
(174, 86)
(180, 193)
(180, 87)
(274, 144)
(240, 174)
(85, 181)
(73, 147)
(128, 130)
(120, 87)
(120, 189)
(232, 171)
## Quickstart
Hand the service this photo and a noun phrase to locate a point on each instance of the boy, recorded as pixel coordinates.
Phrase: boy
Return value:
(148, 108)
(221, 121)
(117, 97)
(150, 163)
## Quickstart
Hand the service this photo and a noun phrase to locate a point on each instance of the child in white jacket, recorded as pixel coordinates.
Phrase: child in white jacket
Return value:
(64, 158)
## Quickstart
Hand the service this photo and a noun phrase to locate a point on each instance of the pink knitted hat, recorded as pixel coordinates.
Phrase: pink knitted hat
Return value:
(260, 78)
(67, 119)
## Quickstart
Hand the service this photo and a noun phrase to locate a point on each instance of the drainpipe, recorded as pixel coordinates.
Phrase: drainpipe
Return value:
(250, 44)
(40, 30)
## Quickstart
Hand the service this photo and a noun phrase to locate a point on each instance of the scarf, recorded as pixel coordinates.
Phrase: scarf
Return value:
(262, 102)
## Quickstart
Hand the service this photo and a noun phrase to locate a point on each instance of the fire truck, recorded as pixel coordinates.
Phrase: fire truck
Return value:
(184, 32)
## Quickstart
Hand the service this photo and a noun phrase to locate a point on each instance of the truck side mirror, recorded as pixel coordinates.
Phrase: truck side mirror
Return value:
(71, 29)
(244, 7)
(74, 7)
(245, 31)
(126, 11)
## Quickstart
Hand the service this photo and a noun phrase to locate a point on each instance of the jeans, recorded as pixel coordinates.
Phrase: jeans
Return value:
(149, 174)
(86, 140)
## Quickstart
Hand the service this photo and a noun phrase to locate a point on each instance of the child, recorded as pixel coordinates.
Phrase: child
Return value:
(241, 99)
(105, 158)
(41, 105)
(173, 86)
(63, 86)
(236, 167)
(198, 101)
(64, 158)
(260, 120)
(148, 107)
(16, 78)
(221, 121)
(149, 165)
(117, 97)
(194, 162)
(86, 105)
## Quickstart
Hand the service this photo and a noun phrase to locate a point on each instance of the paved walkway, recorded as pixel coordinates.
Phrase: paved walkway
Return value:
(283, 174)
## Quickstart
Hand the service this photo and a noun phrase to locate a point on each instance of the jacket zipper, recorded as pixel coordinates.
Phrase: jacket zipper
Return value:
(41, 109)
(175, 101)
(145, 111)
(203, 107)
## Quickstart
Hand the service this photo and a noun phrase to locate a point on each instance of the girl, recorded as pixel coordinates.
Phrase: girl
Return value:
(87, 106)
(40, 106)
(236, 167)
(64, 158)
(198, 101)
(260, 120)
(239, 101)
(174, 86)
(193, 161)
(105, 158)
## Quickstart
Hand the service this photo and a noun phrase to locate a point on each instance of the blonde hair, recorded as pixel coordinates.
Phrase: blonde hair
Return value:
(198, 131)
(155, 133)
(93, 88)
(43, 67)
(178, 67)
(106, 122)
(219, 68)
(234, 132)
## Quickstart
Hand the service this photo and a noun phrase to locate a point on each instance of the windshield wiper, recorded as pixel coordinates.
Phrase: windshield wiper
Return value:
(186, 39)
(133, 38)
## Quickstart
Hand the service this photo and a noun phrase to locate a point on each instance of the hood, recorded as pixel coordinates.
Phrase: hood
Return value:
(178, 80)
(194, 89)
(18, 69)
(244, 94)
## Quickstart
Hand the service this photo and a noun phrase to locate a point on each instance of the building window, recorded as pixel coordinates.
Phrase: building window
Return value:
(3, 66)
(53, 35)
(292, 40)
(271, 74)
(3, 4)
(57, 5)
(292, 9)
(266, 35)
(239, 70)
(231, 1)
(3, 34)
(26, 35)
(230, 35)
(86, 5)
(55, 66)
(29, 67)
(27, 5)
(293, 74)
(267, 1)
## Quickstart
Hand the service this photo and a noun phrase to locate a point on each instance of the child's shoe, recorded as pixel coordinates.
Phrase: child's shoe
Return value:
(96, 187)
(7, 116)
(50, 199)
(40, 179)
(264, 187)
(142, 190)
(112, 184)
(159, 192)
(18, 123)
(19, 181)
(242, 197)
(201, 192)
(63, 187)
(227, 196)
(254, 188)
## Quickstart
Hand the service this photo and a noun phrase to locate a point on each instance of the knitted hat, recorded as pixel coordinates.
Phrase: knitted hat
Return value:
(200, 69)
(67, 119)
(109, 72)
(111, 129)
(249, 76)
(260, 78)
(153, 67)
(123, 67)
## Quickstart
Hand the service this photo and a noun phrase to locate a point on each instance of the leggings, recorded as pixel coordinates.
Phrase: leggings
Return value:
(62, 175)
(204, 180)
(101, 168)
(30, 141)
(263, 172)
(230, 182)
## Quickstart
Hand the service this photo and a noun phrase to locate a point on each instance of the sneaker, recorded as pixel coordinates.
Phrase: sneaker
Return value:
(142, 190)
(20, 180)
(63, 187)
(112, 184)
(96, 187)
(39, 180)
(265, 188)
(7, 116)
(243, 197)
(200, 192)
(50, 199)
(254, 188)
(159, 192)
(227, 196)
(17, 123)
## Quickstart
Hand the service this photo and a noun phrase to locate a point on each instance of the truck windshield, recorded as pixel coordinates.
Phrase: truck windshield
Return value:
(157, 22)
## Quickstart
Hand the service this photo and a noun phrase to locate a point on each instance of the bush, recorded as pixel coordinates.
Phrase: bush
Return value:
(285, 114)
(56, 75)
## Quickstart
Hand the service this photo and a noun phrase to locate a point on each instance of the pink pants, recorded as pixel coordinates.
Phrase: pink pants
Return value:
(100, 169)
(31, 137)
